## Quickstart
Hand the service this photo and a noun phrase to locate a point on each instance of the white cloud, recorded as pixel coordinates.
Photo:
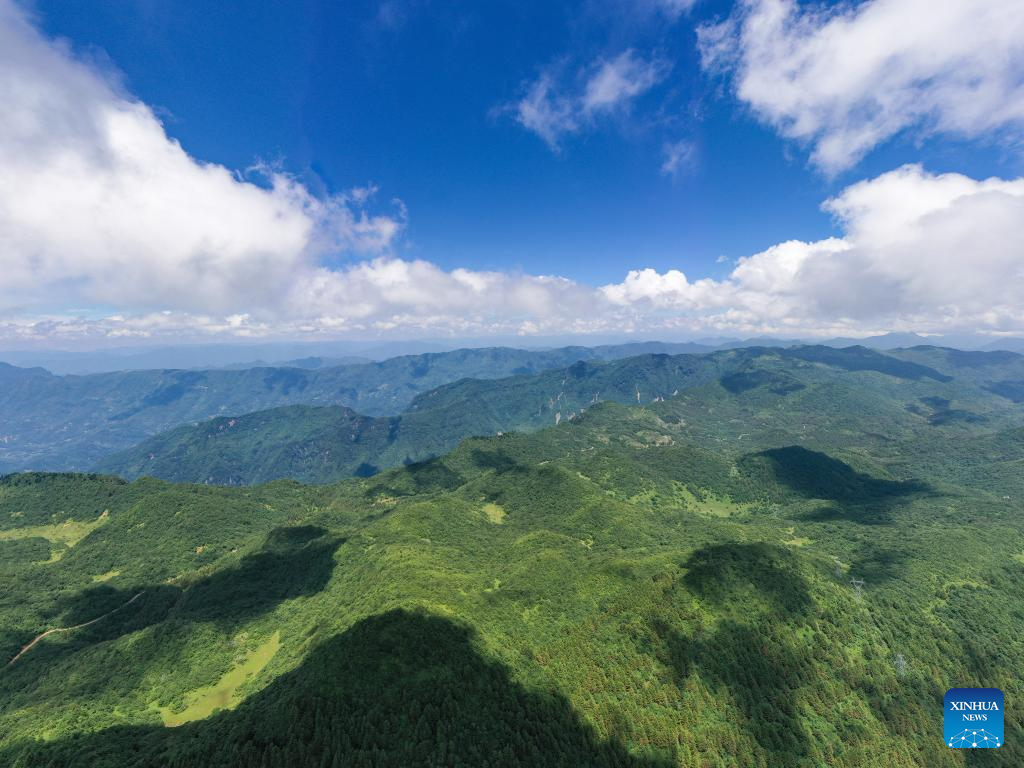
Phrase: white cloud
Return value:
(99, 206)
(678, 157)
(847, 78)
(553, 110)
(545, 112)
(620, 80)
(920, 252)
(420, 292)
(673, 8)
(101, 209)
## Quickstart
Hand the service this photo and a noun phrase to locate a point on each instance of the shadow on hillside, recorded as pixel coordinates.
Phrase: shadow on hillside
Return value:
(876, 565)
(857, 358)
(744, 381)
(293, 562)
(721, 572)
(427, 476)
(855, 496)
(755, 661)
(763, 674)
(498, 461)
(398, 689)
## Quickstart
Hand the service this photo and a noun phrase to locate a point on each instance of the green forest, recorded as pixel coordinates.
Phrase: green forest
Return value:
(766, 392)
(668, 576)
(71, 422)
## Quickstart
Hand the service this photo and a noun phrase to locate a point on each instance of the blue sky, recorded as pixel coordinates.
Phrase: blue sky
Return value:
(425, 102)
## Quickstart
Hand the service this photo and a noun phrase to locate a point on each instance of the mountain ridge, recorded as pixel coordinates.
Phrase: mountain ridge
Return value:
(322, 445)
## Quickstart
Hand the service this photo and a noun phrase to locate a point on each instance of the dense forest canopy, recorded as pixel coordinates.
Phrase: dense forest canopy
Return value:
(917, 391)
(660, 583)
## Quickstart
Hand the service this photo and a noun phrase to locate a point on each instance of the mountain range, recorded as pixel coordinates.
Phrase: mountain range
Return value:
(909, 392)
(786, 563)
(71, 422)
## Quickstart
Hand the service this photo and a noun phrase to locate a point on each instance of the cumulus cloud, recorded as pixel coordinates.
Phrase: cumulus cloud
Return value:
(919, 252)
(553, 110)
(847, 78)
(389, 292)
(101, 209)
(99, 206)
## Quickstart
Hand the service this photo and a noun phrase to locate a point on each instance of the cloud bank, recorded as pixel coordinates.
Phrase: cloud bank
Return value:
(100, 209)
(847, 78)
(920, 252)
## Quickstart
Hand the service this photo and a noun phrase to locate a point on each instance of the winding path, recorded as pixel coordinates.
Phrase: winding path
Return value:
(32, 645)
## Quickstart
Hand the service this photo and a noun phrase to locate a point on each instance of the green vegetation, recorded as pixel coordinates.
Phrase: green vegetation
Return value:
(221, 695)
(71, 422)
(669, 585)
(495, 513)
(768, 396)
(60, 536)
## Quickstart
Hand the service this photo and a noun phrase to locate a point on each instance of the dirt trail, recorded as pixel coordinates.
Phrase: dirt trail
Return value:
(32, 645)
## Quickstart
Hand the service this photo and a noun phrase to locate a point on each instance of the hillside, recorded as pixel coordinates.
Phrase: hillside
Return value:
(829, 398)
(631, 593)
(71, 422)
(314, 444)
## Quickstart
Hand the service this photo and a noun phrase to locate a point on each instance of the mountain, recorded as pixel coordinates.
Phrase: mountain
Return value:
(281, 354)
(1009, 344)
(653, 585)
(310, 363)
(205, 356)
(313, 444)
(727, 395)
(71, 422)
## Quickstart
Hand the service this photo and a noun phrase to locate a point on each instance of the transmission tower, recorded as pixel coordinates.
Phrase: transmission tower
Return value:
(901, 665)
(858, 587)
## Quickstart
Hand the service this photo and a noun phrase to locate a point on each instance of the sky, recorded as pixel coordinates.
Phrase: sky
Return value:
(198, 171)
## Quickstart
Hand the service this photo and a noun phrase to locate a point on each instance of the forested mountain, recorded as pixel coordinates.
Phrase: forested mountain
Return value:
(655, 585)
(70, 422)
(815, 394)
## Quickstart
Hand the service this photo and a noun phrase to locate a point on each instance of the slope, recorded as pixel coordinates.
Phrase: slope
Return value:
(603, 592)
(70, 422)
(832, 398)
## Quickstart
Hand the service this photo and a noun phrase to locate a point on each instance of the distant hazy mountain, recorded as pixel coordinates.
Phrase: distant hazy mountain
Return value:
(302, 354)
(309, 363)
(70, 422)
(884, 342)
(910, 396)
(1010, 344)
(782, 565)
(206, 356)
(967, 342)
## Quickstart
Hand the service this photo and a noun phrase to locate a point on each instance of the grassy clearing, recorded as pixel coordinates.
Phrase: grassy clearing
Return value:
(495, 513)
(62, 536)
(707, 503)
(203, 702)
(106, 576)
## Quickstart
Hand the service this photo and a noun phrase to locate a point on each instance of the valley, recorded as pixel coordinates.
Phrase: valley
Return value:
(70, 422)
(652, 584)
(761, 395)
